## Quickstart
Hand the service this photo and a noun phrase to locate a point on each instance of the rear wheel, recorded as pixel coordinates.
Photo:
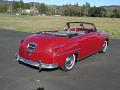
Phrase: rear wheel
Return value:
(69, 63)
(105, 45)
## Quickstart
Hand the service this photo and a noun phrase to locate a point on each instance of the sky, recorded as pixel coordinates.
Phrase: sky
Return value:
(80, 2)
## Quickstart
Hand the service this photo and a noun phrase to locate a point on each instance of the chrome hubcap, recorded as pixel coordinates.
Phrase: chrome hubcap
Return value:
(70, 62)
(105, 46)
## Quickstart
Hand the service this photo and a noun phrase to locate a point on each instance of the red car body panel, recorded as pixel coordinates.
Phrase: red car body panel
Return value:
(54, 49)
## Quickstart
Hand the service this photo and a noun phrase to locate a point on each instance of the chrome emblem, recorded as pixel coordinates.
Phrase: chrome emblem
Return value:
(31, 47)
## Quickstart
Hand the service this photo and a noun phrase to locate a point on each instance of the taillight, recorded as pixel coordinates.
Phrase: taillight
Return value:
(21, 41)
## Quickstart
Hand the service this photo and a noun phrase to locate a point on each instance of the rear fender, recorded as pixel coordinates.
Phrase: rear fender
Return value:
(62, 53)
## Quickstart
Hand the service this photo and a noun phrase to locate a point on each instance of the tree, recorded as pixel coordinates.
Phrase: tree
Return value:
(103, 12)
(34, 11)
(92, 11)
(21, 4)
(64, 10)
(71, 10)
(27, 6)
(15, 6)
(115, 14)
(3, 7)
(85, 9)
(97, 12)
(43, 8)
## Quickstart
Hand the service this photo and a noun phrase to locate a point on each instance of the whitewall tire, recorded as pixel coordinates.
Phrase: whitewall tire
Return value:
(69, 63)
(104, 47)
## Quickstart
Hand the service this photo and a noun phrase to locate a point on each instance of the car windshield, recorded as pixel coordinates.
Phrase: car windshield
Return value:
(81, 25)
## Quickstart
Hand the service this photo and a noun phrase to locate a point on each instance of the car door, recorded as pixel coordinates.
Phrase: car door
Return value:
(93, 42)
(88, 44)
(83, 45)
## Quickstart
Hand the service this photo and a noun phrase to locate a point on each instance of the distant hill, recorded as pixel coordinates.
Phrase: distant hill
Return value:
(9, 2)
(5, 1)
(112, 6)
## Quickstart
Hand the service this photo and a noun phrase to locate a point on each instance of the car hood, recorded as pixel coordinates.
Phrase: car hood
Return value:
(45, 41)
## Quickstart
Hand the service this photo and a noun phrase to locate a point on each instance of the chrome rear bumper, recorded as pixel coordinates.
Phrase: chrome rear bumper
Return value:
(39, 64)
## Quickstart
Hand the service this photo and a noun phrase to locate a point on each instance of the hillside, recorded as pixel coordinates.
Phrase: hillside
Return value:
(112, 6)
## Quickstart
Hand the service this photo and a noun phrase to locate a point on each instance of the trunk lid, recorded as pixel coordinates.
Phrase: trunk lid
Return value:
(40, 47)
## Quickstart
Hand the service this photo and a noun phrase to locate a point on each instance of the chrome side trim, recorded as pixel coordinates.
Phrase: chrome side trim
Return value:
(56, 47)
(68, 52)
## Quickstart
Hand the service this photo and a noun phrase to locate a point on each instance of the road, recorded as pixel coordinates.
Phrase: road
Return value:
(97, 72)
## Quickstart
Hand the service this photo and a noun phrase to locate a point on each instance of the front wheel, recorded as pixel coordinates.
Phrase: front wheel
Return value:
(69, 63)
(105, 45)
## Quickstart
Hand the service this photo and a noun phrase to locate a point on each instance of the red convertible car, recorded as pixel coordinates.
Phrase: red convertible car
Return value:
(62, 48)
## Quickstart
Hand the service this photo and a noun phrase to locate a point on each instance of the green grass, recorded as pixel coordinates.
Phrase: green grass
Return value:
(40, 23)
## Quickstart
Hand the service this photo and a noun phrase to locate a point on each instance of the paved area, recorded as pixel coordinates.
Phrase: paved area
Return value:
(97, 72)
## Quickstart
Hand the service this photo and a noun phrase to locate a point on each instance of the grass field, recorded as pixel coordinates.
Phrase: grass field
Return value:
(40, 23)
